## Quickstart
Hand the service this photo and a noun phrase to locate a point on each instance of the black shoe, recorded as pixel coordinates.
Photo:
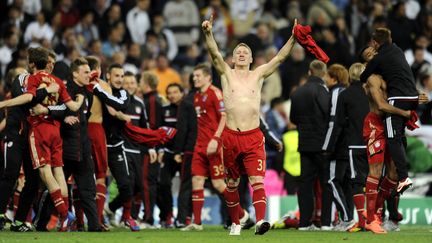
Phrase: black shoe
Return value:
(262, 227)
(249, 224)
(20, 228)
(2, 222)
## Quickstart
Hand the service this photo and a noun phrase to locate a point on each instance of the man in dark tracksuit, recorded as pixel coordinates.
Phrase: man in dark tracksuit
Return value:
(76, 146)
(17, 153)
(352, 108)
(184, 143)
(117, 160)
(391, 64)
(153, 105)
(309, 111)
(169, 166)
(134, 151)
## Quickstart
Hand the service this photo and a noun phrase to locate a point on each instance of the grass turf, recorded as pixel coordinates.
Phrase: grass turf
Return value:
(407, 234)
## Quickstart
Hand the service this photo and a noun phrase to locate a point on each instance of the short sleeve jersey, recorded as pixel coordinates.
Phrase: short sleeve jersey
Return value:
(208, 106)
(41, 80)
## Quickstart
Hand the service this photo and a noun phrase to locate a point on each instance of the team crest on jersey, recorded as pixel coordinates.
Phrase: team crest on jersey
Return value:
(167, 113)
(377, 144)
(119, 157)
(138, 109)
(221, 104)
(204, 98)
(198, 111)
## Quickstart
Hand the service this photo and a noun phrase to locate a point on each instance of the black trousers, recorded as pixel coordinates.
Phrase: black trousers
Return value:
(313, 165)
(395, 134)
(14, 153)
(164, 196)
(150, 180)
(119, 167)
(83, 173)
(340, 182)
(135, 161)
(184, 200)
(359, 168)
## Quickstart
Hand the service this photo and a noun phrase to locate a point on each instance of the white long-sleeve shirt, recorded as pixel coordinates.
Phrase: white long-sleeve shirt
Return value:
(138, 23)
(34, 29)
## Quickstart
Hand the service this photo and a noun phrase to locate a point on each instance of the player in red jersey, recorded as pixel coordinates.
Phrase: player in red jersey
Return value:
(207, 158)
(44, 135)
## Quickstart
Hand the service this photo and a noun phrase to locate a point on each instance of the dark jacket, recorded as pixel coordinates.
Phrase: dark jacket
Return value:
(185, 139)
(391, 64)
(153, 104)
(309, 111)
(335, 140)
(76, 143)
(170, 119)
(112, 125)
(136, 110)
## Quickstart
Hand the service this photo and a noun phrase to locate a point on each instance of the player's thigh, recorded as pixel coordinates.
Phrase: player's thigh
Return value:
(200, 163)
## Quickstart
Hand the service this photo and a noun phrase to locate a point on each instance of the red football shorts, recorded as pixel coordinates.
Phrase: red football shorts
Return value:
(97, 137)
(46, 145)
(373, 134)
(207, 165)
(244, 152)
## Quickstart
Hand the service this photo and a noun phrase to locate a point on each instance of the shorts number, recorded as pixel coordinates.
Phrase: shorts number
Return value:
(218, 170)
(260, 165)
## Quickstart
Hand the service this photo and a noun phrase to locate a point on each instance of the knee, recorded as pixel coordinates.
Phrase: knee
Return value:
(233, 183)
(256, 179)
(219, 185)
(197, 182)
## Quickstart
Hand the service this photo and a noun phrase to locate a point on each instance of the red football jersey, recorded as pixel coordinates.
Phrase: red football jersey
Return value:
(41, 80)
(208, 107)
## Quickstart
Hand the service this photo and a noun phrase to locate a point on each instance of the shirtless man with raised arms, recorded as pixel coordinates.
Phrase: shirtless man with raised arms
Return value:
(242, 139)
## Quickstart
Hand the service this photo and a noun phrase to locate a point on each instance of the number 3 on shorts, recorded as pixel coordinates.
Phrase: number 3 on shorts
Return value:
(218, 170)
(260, 165)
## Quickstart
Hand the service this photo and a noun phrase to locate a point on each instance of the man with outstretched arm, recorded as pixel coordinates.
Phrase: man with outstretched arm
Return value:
(242, 138)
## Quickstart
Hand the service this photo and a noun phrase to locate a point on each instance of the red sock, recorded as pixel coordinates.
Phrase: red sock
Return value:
(100, 200)
(59, 203)
(16, 200)
(77, 206)
(232, 200)
(384, 192)
(259, 200)
(127, 209)
(371, 197)
(359, 202)
(197, 204)
(29, 218)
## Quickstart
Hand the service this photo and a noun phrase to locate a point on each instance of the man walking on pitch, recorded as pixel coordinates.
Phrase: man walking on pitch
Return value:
(243, 140)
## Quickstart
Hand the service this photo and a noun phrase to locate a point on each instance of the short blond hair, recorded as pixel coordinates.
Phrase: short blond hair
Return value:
(355, 71)
(340, 73)
(150, 79)
(244, 45)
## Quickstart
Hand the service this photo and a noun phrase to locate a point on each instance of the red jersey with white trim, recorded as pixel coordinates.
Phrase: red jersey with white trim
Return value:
(43, 79)
(208, 107)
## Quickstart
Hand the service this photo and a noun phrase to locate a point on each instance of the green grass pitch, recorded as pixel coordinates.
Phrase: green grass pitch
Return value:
(408, 234)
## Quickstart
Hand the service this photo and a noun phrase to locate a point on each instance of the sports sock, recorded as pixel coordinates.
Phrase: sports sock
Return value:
(197, 204)
(259, 200)
(371, 196)
(384, 192)
(16, 197)
(232, 200)
(127, 209)
(359, 202)
(100, 200)
(59, 203)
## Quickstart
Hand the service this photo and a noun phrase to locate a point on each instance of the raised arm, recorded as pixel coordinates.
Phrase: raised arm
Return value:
(374, 86)
(217, 59)
(267, 69)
